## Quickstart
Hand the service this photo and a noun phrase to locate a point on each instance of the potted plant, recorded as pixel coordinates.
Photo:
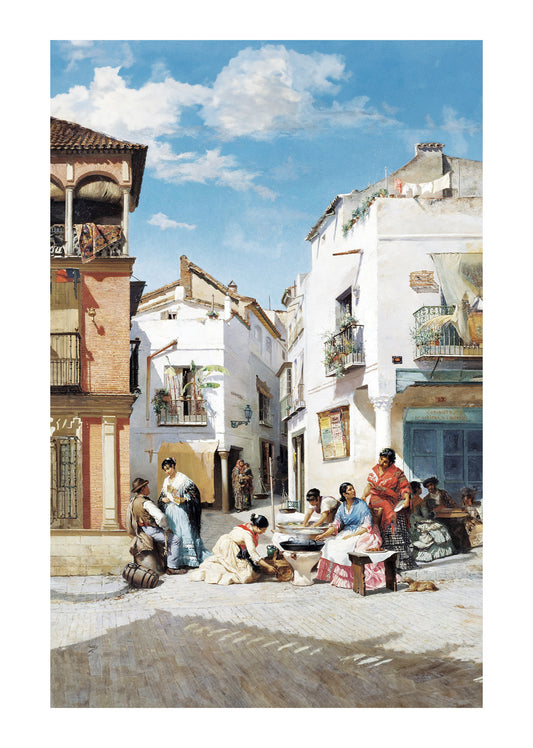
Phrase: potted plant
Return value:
(160, 400)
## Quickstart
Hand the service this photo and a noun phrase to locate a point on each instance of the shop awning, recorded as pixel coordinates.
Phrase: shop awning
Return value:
(196, 459)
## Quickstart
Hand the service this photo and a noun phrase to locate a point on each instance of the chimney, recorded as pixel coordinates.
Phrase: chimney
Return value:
(232, 287)
(428, 148)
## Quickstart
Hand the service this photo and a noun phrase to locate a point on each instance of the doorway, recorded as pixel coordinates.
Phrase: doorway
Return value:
(451, 451)
(299, 470)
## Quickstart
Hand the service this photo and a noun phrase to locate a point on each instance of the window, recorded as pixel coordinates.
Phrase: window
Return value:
(65, 489)
(265, 418)
(343, 307)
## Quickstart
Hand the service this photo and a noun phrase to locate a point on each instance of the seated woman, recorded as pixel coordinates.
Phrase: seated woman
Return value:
(474, 524)
(431, 539)
(235, 559)
(354, 531)
(388, 494)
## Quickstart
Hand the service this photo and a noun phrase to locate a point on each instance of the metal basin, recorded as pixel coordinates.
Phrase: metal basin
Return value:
(304, 545)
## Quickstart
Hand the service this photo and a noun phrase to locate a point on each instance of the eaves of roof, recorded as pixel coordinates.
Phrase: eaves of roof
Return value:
(69, 138)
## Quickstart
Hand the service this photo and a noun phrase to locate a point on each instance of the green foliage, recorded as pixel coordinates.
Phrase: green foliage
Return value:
(361, 211)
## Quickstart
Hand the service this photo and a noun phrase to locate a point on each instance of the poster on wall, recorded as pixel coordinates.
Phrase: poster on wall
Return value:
(334, 432)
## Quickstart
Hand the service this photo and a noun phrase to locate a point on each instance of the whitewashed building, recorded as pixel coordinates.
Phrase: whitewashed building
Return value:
(193, 323)
(391, 334)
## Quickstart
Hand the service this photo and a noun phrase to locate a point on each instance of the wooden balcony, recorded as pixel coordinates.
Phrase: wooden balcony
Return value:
(344, 350)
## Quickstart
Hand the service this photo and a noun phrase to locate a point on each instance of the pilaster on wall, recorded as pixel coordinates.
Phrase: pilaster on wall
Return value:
(109, 473)
(382, 407)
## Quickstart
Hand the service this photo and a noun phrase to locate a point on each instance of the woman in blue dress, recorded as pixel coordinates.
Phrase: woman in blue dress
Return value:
(353, 530)
(180, 500)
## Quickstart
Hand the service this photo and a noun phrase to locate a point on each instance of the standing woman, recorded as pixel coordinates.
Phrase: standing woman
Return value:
(180, 500)
(386, 489)
(354, 531)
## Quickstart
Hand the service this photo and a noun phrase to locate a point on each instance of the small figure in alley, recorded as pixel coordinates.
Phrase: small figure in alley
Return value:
(181, 502)
(148, 527)
(240, 485)
(235, 559)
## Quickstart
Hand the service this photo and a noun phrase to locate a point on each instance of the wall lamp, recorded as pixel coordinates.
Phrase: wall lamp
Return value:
(247, 415)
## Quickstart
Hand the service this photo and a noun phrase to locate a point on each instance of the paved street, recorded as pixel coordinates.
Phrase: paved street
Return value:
(269, 644)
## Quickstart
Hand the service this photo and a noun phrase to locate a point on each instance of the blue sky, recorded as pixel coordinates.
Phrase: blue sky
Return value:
(249, 141)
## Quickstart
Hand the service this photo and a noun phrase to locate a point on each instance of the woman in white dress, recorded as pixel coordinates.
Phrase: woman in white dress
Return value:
(235, 559)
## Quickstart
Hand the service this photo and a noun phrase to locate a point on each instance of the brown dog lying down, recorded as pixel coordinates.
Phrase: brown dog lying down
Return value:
(420, 586)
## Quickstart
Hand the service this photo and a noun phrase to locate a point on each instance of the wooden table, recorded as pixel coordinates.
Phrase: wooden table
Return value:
(359, 561)
(454, 520)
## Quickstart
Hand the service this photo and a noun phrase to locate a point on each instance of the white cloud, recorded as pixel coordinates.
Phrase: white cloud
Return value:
(164, 222)
(260, 94)
(98, 53)
(264, 92)
(458, 128)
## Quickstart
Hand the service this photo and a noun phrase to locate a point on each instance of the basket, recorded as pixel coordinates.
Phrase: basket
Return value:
(140, 576)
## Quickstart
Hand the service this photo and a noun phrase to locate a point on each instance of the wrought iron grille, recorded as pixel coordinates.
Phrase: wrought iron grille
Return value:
(185, 411)
(134, 364)
(345, 349)
(64, 472)
(439, 339)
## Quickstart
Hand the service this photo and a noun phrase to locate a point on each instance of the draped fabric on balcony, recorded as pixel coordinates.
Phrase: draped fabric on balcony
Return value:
(196, 459)
(461, 279)
(93, 238)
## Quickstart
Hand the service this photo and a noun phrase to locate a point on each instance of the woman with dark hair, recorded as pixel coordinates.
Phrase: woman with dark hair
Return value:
(354, 531)
(388, 493)
(431, 539)
(180, 500)
(235, 559)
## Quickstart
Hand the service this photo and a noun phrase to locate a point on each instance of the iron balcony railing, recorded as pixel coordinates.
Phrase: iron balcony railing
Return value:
(65, 368)
(293, 402)
(58, 244)
(185, 411)
(344, 350)
(441, 338)
(134, 365)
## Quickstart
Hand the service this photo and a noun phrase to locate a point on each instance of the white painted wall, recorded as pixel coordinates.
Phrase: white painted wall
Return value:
(396, 237)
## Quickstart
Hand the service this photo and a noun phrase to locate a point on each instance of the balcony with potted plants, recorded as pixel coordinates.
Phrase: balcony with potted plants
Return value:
(180, 411)
(344, 349)
(435, 332)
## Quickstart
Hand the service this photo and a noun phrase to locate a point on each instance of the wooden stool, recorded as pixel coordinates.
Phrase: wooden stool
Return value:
(360, 560)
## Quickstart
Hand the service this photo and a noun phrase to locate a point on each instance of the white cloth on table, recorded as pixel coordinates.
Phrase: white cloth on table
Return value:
(375, 557)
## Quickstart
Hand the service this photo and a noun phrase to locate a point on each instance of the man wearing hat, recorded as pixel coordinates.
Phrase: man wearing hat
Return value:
(147, 524)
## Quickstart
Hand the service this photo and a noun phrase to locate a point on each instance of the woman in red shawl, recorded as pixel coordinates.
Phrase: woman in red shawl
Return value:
(387, 489)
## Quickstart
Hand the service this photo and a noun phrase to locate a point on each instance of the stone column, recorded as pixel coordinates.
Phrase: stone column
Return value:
(109, 473)
(126, 219)
(224, 472)
(299, 471)
(382, 406)
(69, 200)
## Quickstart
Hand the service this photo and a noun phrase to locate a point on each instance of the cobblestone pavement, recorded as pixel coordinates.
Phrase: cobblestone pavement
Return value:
(269, 644)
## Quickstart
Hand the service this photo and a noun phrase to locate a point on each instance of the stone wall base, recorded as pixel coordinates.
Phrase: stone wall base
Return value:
(88, 552)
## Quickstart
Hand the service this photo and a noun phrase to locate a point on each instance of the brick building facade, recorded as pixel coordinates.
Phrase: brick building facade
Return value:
(95, 183)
